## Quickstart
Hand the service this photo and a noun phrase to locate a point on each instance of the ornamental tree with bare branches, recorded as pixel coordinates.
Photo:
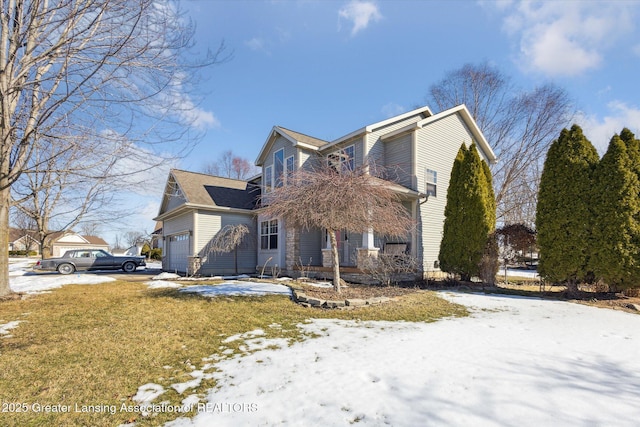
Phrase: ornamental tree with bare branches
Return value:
(519, 125)
(336, 199)
(113, 72)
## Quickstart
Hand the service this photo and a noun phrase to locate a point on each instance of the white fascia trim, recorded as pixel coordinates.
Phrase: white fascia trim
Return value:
(471, 123)
(192, 206)
(398, 132)
(276, 130)
(393, 119)
(370, 128)
(342, 139)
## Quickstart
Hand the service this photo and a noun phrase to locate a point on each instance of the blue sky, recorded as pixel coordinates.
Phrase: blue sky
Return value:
(326, 68)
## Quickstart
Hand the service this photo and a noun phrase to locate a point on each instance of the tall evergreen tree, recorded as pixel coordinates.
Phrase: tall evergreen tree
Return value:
(563, 217)
(470, 215)
(453, 236)
(616, 234)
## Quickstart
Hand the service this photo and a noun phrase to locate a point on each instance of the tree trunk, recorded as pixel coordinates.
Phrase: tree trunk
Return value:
(335, 260)
(4, 241)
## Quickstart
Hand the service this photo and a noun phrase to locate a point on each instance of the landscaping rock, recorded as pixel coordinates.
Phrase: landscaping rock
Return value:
(355, 302)
(635, 307)
(315, 302)
(334, 304)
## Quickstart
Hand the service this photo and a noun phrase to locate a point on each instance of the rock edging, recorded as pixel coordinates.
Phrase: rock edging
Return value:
(304, 300)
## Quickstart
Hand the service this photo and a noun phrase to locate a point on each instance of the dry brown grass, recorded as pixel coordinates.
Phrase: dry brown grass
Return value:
(95, 345)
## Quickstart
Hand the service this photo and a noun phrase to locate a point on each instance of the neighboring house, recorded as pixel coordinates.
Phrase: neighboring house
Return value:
(194, 208)
(414, 151)
(67, 240)
(23, 240)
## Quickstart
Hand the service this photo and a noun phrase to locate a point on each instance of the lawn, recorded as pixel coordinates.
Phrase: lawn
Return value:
(80, 354)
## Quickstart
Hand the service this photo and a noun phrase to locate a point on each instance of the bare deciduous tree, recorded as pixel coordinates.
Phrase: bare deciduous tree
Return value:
(230, 166)
(519, 125)
(228, 239)
(336, 200)
(107, 70)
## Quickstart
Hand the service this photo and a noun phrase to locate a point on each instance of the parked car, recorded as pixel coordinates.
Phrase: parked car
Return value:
(90, 259)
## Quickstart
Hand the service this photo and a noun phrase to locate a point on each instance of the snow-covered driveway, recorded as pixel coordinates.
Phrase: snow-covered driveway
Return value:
(514, 362)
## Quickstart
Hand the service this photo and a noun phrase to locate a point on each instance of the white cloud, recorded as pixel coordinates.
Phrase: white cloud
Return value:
(360, 14)
(392, 109)
(257, 44)
(565, 37)
(600, 130)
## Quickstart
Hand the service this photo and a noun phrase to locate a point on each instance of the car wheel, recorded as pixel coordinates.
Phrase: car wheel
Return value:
(129, 267)
(66, 269)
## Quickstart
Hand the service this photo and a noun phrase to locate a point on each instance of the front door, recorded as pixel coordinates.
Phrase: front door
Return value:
(346, 248)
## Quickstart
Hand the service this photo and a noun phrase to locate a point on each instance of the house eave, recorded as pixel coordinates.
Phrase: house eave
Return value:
(471, 124)
(194, 206)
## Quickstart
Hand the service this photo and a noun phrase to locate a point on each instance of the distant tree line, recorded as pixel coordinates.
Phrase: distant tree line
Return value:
(588, 212)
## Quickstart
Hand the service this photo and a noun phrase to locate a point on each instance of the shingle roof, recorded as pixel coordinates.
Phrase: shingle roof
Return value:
(305, 139)
(209, 190)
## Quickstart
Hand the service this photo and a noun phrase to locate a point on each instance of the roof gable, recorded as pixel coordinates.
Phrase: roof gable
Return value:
(297, 139)
(208, 191)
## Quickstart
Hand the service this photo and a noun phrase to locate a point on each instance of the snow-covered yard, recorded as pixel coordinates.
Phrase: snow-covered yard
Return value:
(514, 361)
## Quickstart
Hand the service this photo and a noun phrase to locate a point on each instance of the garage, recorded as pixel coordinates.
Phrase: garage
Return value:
(177, 252)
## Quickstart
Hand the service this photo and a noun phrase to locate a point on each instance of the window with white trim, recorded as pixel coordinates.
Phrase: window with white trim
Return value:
(290, 165)
(268, 173)
(343, 160)
(278, 168)
(269, 234)
(432, 182)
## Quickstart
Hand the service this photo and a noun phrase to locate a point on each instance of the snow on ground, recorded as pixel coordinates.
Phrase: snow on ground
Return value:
(515, 361)
(238, 288)
(30, 282)
(5, 328)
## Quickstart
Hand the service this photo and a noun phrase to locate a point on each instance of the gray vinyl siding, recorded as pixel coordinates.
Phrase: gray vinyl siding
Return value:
(398, 159)
(279, 143)
(311, 244)
(174, 201)
(357, 146)
(375, 147)
(178, 224)
(209, 224)
(437, 146)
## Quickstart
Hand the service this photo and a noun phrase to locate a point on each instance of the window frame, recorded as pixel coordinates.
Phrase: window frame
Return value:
(278, 168)
(289, 171)
(431, 182)
(268, 178)
(269, 235)
(346, 162)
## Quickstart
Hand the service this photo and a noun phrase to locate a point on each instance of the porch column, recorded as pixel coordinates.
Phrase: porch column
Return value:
(368, 249)
(326, 252)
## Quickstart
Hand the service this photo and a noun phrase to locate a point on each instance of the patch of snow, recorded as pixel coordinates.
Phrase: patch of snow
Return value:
(31, 282)
(320, 284)
(156, 284)
(148, 393)
(238, 288)
(5, 328)
(514, 361)
(250, 334)
(514, 272)
(165, 275)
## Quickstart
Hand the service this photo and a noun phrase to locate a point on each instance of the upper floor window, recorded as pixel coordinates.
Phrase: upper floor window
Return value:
(268, 173)
(343, 160)
(278, 167)
(290, 165)
(432, 182)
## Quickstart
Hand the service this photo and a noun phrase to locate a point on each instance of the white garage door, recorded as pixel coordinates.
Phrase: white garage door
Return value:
(177, 252)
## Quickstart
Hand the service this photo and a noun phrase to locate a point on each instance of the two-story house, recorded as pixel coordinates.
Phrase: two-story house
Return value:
(415, 151)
